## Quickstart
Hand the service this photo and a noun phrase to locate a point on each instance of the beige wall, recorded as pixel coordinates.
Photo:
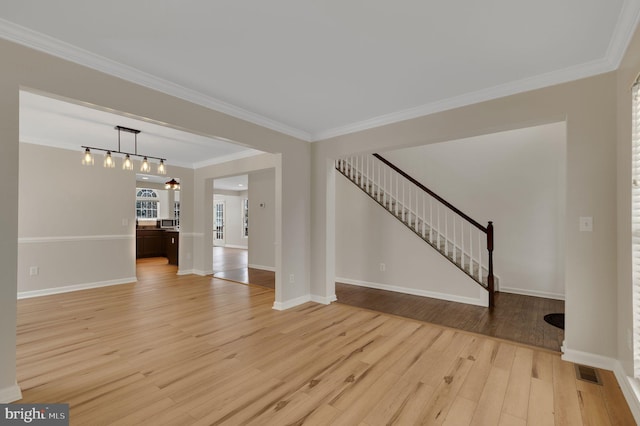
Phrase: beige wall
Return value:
(23, 67)
(262, 235)
(367, 235)
(588, 106)
(515, 179)
(72, 221)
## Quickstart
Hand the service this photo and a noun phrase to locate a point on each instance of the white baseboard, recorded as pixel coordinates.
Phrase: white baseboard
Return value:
(264, 268)
(416, 292)
(76, 287)
(629, 386)
(630, 389)
(586, 358)
(281, 306)
(185, 272)
(10, 394)
(236, 246)
(527, 292)
(323, 300)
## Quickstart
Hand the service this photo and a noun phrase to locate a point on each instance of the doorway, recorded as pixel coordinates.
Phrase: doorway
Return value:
(219, 211)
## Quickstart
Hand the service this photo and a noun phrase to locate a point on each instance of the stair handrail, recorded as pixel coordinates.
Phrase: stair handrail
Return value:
(488, 230)
(433, 194)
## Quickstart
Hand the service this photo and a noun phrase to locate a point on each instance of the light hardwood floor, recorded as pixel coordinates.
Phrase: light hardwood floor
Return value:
(198, 350)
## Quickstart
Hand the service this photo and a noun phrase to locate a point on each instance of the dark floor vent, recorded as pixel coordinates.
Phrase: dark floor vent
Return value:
(588, 374)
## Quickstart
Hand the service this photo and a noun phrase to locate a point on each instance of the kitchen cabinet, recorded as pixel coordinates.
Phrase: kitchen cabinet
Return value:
(157, 243)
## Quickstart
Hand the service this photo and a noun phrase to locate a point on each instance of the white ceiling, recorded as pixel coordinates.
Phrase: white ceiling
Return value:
(52, 122)
(316, 69)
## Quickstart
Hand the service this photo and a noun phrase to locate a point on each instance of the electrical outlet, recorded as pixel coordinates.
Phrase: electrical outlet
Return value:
(383, 267)
(291, 279)
(34, 270)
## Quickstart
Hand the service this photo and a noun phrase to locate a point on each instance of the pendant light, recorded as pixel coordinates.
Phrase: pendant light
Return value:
(87, 158)
(127, 164)
(172, 184)
(108, 161)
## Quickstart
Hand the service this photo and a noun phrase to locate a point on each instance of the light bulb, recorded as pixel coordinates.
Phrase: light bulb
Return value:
(127, 164)
(108, 161)
(87, 158)
(162, 170)
(145, 166)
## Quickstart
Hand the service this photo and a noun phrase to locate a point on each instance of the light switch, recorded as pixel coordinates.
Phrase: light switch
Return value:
(586, 224)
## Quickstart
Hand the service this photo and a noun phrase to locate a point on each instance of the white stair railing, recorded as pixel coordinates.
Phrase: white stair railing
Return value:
(454, 234)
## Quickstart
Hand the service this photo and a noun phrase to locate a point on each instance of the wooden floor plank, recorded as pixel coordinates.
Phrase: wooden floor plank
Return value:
(182, 350)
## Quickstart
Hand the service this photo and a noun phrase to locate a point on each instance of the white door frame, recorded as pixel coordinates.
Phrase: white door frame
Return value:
(219, 230)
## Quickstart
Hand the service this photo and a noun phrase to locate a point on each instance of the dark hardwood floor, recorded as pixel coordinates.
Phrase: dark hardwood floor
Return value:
(515, 317)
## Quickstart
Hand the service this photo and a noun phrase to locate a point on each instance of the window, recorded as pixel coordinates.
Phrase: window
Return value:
(635, 222)
(176, 212)
(245, 218)
(147, 204)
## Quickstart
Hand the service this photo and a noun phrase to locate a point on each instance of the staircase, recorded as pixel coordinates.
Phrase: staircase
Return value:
(457, 237)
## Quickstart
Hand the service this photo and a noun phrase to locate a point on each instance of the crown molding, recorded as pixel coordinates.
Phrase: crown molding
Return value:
(524, 85)
(44, 43)
(624, 30)
(625, 27)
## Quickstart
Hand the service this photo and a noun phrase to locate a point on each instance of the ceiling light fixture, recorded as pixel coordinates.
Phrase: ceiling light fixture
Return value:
(127, 164)
(172, 184)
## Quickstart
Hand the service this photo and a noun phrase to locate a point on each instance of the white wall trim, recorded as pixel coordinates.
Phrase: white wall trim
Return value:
(587, 358)
(191, 234)
(10, 394)
(630, 387)
(630, 390)
(236, 246)
(58, 239)
(528, 292)
(75, 287)
(264, 268)
(323, 300)
(281, 306)
(194, 272)
(416, 292)
(52, 46)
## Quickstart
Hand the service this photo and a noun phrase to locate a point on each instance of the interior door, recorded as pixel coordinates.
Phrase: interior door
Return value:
(218, 223)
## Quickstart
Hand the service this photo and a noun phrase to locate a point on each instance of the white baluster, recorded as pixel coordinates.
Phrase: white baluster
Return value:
(396, 196)
(424, 213)
(446, 231)
(384, 186)
(471, 249)
(431, 219)
(480, 256)
(415, 226)
(409, 205)
(403, 203)
(454, 238)
(438, 230)
(462, 243)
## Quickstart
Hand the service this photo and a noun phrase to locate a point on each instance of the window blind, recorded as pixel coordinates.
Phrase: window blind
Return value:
(635, 223)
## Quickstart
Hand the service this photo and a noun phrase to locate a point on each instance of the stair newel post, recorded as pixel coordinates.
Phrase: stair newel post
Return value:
(490, 281)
